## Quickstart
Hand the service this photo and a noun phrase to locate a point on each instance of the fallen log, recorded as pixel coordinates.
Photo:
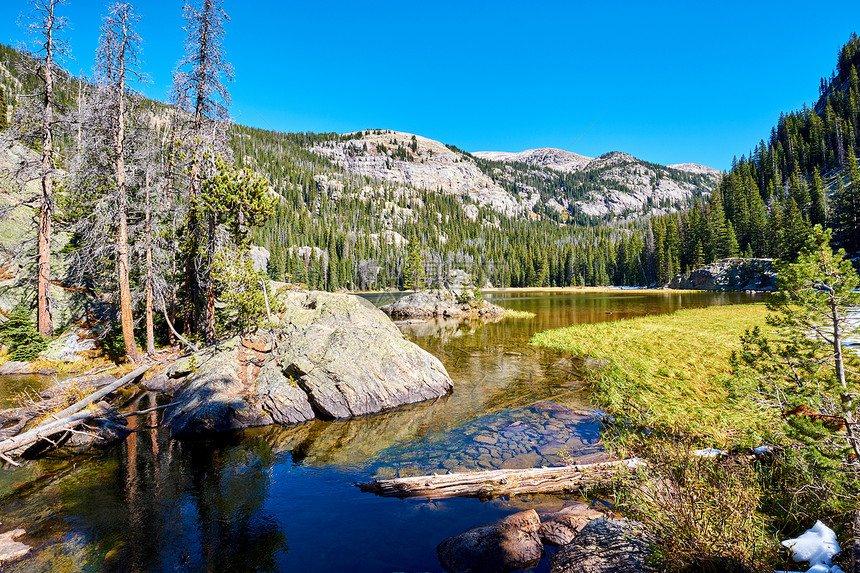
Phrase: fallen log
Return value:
(487, 484)
(98, 395)
(44, 432)
(67, 419)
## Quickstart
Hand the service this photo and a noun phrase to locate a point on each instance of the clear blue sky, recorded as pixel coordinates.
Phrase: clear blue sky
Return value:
(667, 82)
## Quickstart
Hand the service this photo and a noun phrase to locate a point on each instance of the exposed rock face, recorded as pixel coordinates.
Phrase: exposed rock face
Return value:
(561, 527)
(557, 159)
(606, 545)
(430, 165)
(440, 302)
(495, 179)
(625, 184)
(730, 274)
(260, 256)
(67, 346)
(506, 545)
(630, 185)
(337, 356)
(19, 192)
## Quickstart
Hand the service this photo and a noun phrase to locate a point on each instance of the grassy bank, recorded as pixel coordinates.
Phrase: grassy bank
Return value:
(671, 372)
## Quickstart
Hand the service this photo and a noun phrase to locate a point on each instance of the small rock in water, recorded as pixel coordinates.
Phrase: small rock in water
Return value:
(606, 546)
(483, 439)
(550, 448)
(561, 527)
(506, 545)
(11, 549)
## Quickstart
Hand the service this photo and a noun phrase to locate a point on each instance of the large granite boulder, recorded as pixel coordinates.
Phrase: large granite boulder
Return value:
(506, 545)
(730, 274)
(329, 356)
(606, 545)
(441, 303)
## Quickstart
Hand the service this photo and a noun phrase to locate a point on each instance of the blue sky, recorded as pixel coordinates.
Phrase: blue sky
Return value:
(667, 82)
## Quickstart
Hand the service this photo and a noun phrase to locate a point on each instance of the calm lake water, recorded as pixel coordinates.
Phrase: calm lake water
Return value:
(284, 499)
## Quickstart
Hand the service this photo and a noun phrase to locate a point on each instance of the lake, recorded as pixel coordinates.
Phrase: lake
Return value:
(284, 499)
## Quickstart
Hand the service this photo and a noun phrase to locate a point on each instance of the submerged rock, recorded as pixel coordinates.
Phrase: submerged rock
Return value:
(333, 356)
(11, 549)
(730, 274)
(561, 527)
(506, 545)
(606, 545)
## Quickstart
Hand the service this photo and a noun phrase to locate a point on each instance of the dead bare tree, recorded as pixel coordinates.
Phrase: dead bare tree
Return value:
(117, 60)
(45, 26)
(200, 89)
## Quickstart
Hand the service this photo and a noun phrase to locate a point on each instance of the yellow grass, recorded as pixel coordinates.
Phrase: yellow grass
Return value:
(671, 372)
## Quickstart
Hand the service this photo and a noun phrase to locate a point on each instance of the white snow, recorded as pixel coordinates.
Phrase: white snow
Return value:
(708, 453)
(817, 545)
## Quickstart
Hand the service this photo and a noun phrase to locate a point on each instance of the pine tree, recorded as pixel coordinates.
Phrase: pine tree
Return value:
(801, 368)
(413, 273)
(21, 336)
(818, 200)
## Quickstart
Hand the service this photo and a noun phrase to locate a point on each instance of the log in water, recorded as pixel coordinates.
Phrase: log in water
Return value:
(565, 479)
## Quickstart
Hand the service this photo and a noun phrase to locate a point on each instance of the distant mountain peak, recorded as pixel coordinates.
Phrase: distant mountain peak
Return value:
(557, 159)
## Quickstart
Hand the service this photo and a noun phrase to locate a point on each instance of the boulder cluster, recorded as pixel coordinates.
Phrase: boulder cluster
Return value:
(588, 541)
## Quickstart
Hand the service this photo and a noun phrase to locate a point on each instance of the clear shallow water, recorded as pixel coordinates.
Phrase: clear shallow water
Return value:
(283, 499)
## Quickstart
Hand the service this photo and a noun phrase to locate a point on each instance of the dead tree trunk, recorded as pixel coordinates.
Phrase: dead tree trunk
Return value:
(494, 483)
(150, 325)
(46, 210)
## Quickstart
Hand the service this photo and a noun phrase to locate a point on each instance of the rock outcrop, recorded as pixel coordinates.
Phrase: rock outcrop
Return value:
(68, 346)
(441, 303)
(606, 545)
(506, 545)
(329, 356)
(730, 274)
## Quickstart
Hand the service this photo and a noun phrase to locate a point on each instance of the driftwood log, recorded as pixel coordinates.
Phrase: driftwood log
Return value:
(487, 484)
(67, 419)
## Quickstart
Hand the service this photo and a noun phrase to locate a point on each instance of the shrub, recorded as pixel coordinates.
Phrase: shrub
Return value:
(20, 335)
(703, 511)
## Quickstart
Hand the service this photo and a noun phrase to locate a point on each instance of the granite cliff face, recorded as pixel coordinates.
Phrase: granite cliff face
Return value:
(396, 158)
(557, 159)
(620, 183)
(515, 184)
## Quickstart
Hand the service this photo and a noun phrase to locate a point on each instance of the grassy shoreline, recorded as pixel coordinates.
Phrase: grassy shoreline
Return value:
(671, 372)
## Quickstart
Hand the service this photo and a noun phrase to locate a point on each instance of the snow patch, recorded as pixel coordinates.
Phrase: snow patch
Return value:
(817, 545)
(708, 453)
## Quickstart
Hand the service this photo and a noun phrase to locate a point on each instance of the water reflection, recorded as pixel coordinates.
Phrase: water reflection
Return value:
(282, 498)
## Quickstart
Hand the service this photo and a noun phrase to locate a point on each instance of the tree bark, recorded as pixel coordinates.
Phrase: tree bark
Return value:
(122, 231)
(45, 322)
(498, 482)
(150, 326)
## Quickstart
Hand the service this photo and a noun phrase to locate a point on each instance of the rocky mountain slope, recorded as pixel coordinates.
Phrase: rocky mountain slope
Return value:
(557, 159)
(551, 182)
